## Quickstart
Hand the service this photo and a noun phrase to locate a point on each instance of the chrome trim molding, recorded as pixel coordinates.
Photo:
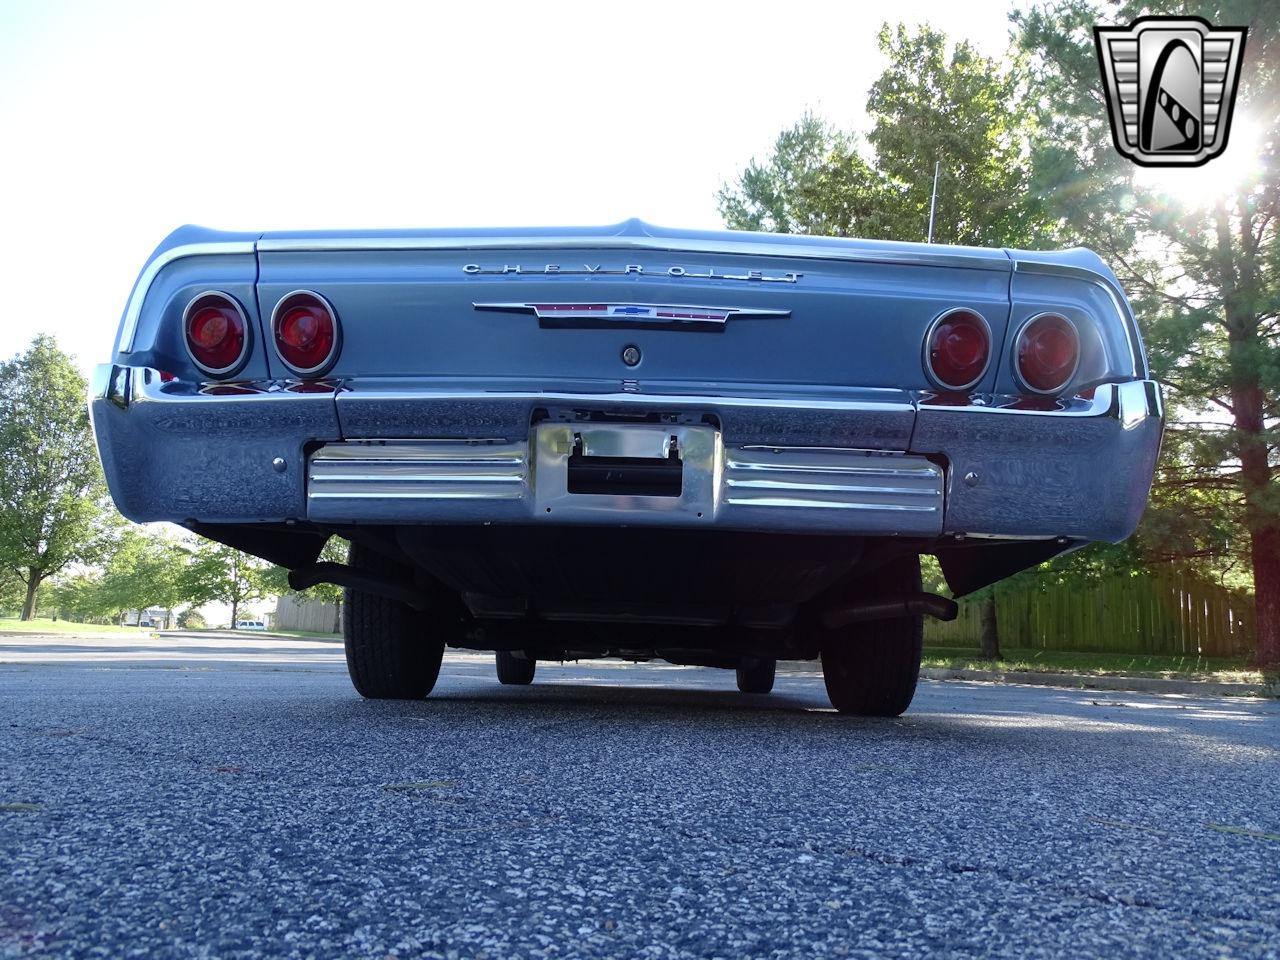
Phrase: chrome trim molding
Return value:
(928, 338)
(321, 368)
(793, 477)
(649, 315)
(245, 348)
(635, 400)
(422, 470)
(133, 311)
(468, 481)
(745, 247)
(1017, 341)
(1133, 399)
(1137, 353)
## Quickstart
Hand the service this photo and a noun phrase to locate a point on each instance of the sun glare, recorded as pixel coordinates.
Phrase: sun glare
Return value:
(1201, 186)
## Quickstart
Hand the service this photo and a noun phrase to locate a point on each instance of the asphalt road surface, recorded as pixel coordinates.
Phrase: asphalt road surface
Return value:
(235, 798)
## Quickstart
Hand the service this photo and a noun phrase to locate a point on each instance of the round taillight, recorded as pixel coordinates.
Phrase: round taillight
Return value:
(957, 349)
(1046, 353)
(216, 333)
(306, 333)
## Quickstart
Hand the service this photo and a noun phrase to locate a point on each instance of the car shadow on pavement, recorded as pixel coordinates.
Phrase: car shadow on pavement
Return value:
(989, 719)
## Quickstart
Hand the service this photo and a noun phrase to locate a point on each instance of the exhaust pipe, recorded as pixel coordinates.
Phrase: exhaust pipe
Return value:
(345, 576)
(915, 604)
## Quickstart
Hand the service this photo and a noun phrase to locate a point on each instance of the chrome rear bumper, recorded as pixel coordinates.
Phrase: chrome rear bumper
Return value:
(748, 487)
(840, 463)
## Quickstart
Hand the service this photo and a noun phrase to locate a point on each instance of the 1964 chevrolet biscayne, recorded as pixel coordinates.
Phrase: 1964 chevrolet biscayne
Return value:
(711, 448)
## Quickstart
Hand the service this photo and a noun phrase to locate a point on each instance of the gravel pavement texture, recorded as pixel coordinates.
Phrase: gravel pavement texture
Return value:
(233, 797)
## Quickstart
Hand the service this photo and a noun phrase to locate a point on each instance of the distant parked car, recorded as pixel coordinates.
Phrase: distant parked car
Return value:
(250, 625)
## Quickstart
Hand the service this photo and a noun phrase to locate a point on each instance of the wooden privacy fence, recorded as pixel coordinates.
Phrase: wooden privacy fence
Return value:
(1159, 614)
(306, 613)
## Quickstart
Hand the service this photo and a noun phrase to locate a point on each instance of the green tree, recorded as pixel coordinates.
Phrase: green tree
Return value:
(12, 592)
(147, 570)
(933, 102)
(1203, 269)
(52, 496)
(814, 182)
(80, 597)
(191, 619)
(219, 572)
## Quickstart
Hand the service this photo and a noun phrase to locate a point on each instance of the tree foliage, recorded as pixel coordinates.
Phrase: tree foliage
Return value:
(52, 495)
(1201, 262)
(147, 570)
(934, 102)
(221, 573)
(142, 569)
(191, 619)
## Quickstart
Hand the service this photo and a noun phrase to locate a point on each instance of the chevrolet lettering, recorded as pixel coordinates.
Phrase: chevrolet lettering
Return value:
(588, 269)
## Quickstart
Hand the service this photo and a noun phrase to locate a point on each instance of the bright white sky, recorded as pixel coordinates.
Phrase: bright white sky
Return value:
(121, 121)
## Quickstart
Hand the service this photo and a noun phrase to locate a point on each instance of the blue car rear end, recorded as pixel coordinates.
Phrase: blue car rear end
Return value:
(547, 442)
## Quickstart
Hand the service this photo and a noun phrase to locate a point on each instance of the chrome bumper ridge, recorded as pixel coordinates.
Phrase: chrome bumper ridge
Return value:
(750, 487)
(878, 463)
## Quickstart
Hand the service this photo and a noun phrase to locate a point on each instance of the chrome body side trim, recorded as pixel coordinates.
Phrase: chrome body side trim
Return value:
(133, 311)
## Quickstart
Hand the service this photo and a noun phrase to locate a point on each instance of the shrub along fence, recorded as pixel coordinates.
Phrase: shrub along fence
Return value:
(1166, 613)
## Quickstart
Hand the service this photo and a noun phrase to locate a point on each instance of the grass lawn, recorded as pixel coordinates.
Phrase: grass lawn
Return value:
(1231, 669)
(249, 634)
(42, 625)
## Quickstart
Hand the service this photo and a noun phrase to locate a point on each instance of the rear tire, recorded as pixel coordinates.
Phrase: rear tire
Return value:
(515, 671)
(392, 652)
(871, 668)
(756, 674)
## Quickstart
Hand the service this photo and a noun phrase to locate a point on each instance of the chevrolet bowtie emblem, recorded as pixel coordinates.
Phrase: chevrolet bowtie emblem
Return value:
(631, 314)
(1171, 85)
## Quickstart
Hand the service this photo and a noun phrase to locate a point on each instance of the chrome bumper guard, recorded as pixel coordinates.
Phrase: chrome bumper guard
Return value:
(749, 487)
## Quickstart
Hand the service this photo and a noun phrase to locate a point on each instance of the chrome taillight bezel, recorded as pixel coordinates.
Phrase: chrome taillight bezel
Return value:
(230, 370)
(319, 369)
(1027, 324)
(934, 379)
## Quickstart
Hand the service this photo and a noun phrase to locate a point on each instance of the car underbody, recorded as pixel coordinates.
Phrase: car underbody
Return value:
(572, 592)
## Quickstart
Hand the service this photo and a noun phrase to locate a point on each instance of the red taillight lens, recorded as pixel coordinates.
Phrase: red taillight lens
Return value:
(1047, 353)
(216, 333)
(958, 349)
(306, 333)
